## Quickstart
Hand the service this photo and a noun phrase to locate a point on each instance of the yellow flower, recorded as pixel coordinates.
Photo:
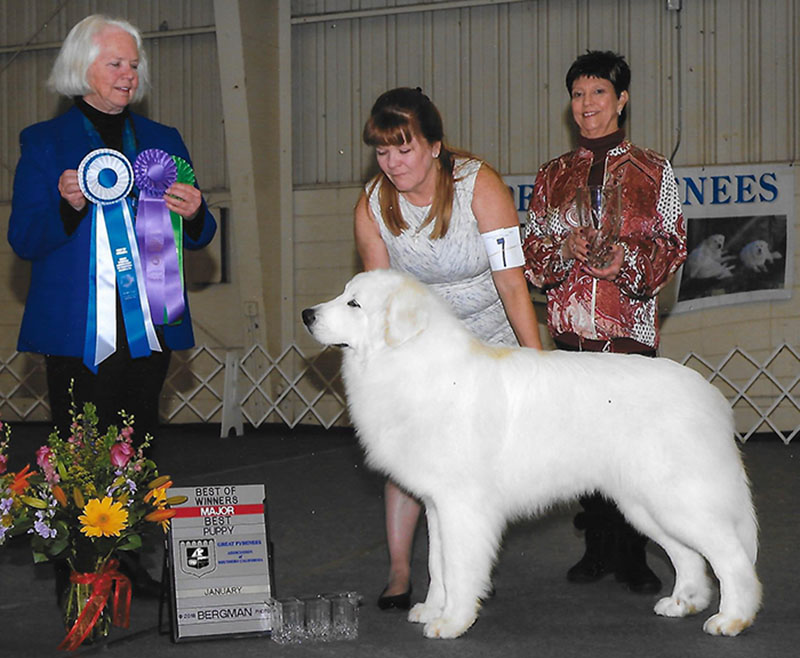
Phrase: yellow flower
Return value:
(158, 497)
(103, 518)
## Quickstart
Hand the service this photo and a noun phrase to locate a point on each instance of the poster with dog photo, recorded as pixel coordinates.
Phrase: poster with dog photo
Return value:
(740, 228)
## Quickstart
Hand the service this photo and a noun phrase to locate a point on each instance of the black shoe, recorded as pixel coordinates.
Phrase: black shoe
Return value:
(631, 567)
(639, 578)
(398, 601)
(595, 562)
(588, 569)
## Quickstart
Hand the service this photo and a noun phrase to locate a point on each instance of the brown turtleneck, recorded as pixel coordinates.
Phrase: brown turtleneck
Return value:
(600, 147)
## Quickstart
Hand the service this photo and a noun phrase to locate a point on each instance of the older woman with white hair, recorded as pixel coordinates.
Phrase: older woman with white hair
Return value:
(102, 66)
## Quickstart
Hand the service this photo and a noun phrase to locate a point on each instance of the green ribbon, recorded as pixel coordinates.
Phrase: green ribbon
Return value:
(185, 175)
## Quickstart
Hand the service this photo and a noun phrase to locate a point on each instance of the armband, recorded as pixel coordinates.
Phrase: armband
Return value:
(504, 248)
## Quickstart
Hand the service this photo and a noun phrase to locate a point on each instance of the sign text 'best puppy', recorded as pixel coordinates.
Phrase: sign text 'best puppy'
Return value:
(220, 562)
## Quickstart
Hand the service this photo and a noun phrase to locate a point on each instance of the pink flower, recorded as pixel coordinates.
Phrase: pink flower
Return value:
(45, 458)
(3, 464)
(121, 454)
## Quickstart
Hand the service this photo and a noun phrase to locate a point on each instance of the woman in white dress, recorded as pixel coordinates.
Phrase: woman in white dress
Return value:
(448, 219)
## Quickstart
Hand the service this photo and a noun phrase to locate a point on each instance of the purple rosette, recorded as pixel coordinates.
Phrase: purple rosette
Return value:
(154, 171)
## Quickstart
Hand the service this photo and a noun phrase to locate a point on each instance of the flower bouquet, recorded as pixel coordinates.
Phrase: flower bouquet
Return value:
(12, 487)
(94, 496)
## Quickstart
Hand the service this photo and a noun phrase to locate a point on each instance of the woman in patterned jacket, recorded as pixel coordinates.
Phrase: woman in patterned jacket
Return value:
(613, 305)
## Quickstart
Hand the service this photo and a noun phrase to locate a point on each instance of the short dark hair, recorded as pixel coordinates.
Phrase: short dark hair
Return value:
(602, 64)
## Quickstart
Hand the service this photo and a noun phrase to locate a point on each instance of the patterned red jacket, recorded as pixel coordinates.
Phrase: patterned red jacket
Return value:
(653, 235)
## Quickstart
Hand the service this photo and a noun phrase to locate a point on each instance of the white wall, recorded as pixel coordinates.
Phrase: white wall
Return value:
(720, 78)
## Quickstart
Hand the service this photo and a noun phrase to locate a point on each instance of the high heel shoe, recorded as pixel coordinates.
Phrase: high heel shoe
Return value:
(398, 601)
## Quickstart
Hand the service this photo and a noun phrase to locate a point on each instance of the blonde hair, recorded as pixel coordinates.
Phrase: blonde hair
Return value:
(79, 50)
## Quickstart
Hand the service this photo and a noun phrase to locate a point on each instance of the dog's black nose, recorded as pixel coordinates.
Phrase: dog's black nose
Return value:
(308, 316)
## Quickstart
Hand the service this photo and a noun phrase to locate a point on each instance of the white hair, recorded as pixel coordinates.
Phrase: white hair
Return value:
(81, 48)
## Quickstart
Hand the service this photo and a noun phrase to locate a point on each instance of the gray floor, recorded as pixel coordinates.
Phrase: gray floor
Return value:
(326, 523)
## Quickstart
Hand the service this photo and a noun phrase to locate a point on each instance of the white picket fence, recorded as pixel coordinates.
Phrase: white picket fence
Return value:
(233, 386)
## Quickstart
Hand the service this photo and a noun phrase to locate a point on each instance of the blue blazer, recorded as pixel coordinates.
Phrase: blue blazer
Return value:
(54, 321)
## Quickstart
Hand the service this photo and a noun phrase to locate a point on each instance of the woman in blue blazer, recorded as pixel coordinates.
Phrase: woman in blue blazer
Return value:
(103, 67)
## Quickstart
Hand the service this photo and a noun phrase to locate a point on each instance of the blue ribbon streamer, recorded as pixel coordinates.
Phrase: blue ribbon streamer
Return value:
(115, 268)
(127, 284)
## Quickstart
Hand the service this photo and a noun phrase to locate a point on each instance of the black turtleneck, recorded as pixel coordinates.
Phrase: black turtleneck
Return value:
(600, 147)
(108, 126)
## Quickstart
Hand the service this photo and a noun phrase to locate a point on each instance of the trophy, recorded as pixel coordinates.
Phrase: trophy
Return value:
(600, 215)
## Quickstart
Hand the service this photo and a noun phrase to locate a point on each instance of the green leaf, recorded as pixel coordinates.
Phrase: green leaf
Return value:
(58, 546)
(132, 543)
(38, 557)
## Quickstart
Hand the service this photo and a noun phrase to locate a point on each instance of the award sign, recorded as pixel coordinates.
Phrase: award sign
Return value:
(220, 562)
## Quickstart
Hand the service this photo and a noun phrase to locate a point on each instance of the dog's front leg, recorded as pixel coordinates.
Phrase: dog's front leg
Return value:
(434, 603)
(468, 543)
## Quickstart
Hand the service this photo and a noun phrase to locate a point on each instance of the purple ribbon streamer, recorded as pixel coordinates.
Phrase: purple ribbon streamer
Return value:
(154, 171)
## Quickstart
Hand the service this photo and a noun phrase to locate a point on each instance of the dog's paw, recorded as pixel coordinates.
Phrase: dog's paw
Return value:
(720, 624)
(672, 606)
(422, 613)
(686, 601)
(443, 628)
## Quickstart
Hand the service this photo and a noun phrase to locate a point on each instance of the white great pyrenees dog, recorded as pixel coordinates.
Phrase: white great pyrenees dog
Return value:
(483, 434)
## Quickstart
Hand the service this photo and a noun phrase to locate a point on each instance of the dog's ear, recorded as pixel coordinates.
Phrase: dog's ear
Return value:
(406, 315)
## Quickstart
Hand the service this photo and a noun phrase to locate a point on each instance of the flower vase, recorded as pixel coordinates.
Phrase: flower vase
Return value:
(73, 605)
(92, 602)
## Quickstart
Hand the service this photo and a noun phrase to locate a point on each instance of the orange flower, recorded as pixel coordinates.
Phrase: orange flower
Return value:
(20, 482)
(161, 516)
(59, 495)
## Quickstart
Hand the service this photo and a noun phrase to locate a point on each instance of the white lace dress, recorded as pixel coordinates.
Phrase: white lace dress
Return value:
(455, 266)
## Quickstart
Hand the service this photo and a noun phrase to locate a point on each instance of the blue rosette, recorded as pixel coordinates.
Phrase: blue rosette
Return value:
(105, 176)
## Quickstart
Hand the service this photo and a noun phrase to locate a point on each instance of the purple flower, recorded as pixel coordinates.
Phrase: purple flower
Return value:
(41, 527)
(44, 530)
(121, 454)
